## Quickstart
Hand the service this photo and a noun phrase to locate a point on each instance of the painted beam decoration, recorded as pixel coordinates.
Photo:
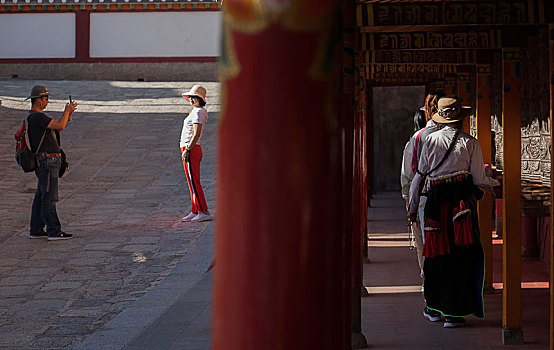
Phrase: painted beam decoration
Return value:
(442, 82)
(469, 39)
(416, 71)
(7, 6)
(454, 56)
(196, 3)
(422, 57)
(398, 82)
(453, 13)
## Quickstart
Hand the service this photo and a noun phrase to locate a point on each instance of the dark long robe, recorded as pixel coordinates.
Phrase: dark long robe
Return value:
(454, 278)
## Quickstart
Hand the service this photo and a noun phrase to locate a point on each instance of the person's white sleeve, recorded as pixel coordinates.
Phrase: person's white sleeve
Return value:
(196, 118)
(477, 168)
(406, 174)
(423, 167)
(414, 194)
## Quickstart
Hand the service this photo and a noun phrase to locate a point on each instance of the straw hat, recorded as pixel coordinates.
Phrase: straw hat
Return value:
(196, 90)
(450, 110)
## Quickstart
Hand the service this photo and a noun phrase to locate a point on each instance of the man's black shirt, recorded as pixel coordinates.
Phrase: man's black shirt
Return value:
(38, 122)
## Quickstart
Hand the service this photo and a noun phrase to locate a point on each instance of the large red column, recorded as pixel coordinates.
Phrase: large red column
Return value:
(278, 279)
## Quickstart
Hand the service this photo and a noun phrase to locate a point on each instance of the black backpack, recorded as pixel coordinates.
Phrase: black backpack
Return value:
(24, 155)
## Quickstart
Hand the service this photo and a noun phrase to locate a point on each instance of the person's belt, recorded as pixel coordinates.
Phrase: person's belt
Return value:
(48, 155)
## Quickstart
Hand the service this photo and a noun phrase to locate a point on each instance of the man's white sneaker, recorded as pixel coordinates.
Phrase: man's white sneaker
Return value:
(201, 217)
(189, 217)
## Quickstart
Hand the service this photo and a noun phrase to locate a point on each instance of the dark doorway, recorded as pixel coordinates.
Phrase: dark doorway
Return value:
(394, 109)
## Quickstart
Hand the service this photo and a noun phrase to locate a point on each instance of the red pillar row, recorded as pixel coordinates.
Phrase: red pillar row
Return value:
(280, 249)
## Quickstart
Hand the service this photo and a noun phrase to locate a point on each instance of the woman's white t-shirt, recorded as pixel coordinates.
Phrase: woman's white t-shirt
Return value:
(198, 115)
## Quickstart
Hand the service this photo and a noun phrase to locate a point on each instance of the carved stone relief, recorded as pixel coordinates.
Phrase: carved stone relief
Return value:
(535, 124)
(535, 109)
(535, 153)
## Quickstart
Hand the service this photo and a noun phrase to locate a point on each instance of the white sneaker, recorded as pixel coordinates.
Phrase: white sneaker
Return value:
(201, 217)
(189, 217)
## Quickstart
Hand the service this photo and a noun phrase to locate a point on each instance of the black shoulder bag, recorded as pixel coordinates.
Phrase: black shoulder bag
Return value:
(64, 164)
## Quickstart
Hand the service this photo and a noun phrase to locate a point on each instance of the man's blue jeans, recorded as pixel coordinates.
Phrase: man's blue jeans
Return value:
(44, 205)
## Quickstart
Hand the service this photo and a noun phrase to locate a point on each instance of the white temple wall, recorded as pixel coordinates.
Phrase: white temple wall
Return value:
(155, 34)
(37, 35)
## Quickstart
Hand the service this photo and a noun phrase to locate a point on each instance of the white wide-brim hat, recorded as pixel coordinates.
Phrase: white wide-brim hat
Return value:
(196, 90)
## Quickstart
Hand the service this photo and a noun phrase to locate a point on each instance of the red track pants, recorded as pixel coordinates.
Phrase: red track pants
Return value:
(192, 170)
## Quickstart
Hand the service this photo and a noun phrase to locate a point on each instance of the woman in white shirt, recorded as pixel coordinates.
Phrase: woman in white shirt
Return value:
(191, 152)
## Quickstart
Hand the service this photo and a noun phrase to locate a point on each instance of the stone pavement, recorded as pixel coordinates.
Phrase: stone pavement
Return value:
(131, 258)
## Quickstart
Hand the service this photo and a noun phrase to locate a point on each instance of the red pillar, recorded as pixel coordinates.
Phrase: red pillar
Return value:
(551, 59)
(512, 332)
(358, 232)
(370, 160)
(279, 275)
(352, 183)
(370, 156)
(364, 151)
(484, 207)
(348, 211)
(360, 212)
(347, 173)
(82, 36)
(362, 110)
(465, 82)
(450, 86)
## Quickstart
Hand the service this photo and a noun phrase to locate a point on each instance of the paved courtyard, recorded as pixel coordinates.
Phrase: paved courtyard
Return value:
(122, 199)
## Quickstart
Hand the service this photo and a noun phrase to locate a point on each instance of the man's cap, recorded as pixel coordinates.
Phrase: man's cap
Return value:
(38, 91)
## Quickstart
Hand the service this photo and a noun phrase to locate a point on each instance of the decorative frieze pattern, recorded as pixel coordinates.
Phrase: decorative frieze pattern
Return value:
(451, 13)
(11, 6)
(422, 56)
(67, 2)
(470, 39)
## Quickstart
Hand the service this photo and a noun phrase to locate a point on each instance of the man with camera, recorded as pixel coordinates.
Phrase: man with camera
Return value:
(44, 136)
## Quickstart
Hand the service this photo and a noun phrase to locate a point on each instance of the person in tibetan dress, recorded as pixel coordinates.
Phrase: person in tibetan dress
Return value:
(451, 175)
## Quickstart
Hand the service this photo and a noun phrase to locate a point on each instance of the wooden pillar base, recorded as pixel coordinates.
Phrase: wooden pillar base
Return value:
(359, 341)
(512, 336)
